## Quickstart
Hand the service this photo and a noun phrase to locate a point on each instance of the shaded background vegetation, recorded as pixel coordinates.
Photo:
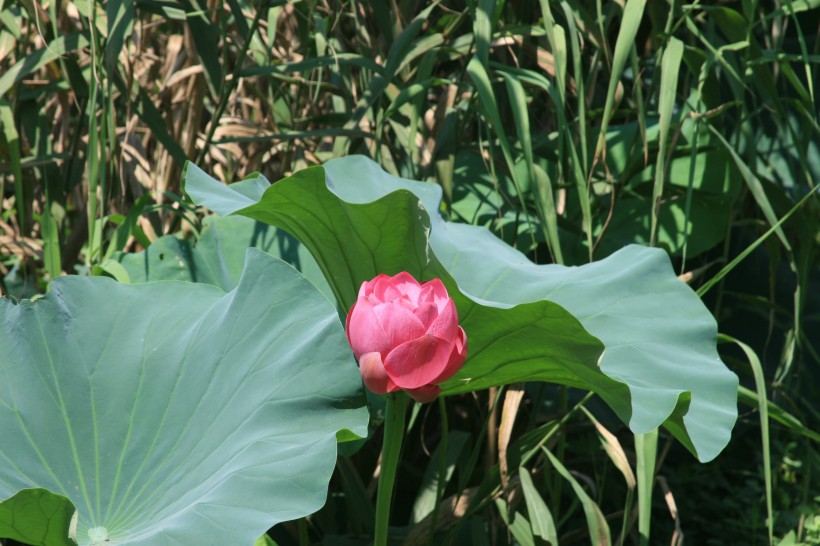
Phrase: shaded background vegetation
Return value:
(568, 128)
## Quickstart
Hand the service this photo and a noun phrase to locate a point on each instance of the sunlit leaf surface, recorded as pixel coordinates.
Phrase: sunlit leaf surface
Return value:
(660, 365)
(174, 412)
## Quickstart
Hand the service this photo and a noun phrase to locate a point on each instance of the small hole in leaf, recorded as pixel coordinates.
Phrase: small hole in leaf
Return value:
(161, 255)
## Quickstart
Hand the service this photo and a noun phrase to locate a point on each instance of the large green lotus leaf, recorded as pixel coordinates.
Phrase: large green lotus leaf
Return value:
(38, 517)
(174, 412)
(355, 242)
(218, 255)
(660, 365)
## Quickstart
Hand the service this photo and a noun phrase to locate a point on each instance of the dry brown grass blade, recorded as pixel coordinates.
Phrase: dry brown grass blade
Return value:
(12, 242)
(614, 450)
(677, 534)
(512, 401)
(24, 247)
(689, 276)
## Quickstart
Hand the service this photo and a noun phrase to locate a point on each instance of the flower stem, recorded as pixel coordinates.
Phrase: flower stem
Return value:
(391, 447)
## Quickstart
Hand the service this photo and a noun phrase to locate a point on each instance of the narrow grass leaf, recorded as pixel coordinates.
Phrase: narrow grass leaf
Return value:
(114, 269)
(419, 48)
(677, 534)
(95, 156)
(120, 16)
(748, 250)
(533, 78)
(581, 105)
(285, 135)
(549, 21)
(541, 180)
(206, 37)
(338, 60)
(596, 522)
(400, 48)
(51, 242)
(152, 117)
(239, 17)
(540, 516)
(646, 451)
(11, 139)
(755, 187)
(763, 408)
(795, 6)
(630, 21)
(613, 448)
(38, 59)
(167, 10)
(777, 413)
(670, 67)
(559, 55)
(9, 22)
(489, 107)
(482, 29)
(512, 402)
(640, 105)
(127, 227)
(415, 109)
(411, 93)
(426, 499)
(396, 56)
(618, 457)
(558, 45)
(518, 525)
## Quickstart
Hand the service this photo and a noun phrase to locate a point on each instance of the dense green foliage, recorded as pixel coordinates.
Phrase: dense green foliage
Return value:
(568, 128)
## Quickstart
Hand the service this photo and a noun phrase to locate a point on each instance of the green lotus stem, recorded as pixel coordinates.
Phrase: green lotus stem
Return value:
(391, 447)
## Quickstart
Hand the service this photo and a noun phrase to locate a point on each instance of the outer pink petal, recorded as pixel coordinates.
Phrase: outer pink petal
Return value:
(407, 285)
(446, 324)
(425, 394)
(364, 332)
(373, 374)
(398, 323)
(418, 362)
(368, 287)
(402, 284)
(427, 313)
(435, 291)
(457, 357)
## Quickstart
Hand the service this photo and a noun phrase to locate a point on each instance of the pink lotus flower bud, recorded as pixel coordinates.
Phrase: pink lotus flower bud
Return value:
(406, 336)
